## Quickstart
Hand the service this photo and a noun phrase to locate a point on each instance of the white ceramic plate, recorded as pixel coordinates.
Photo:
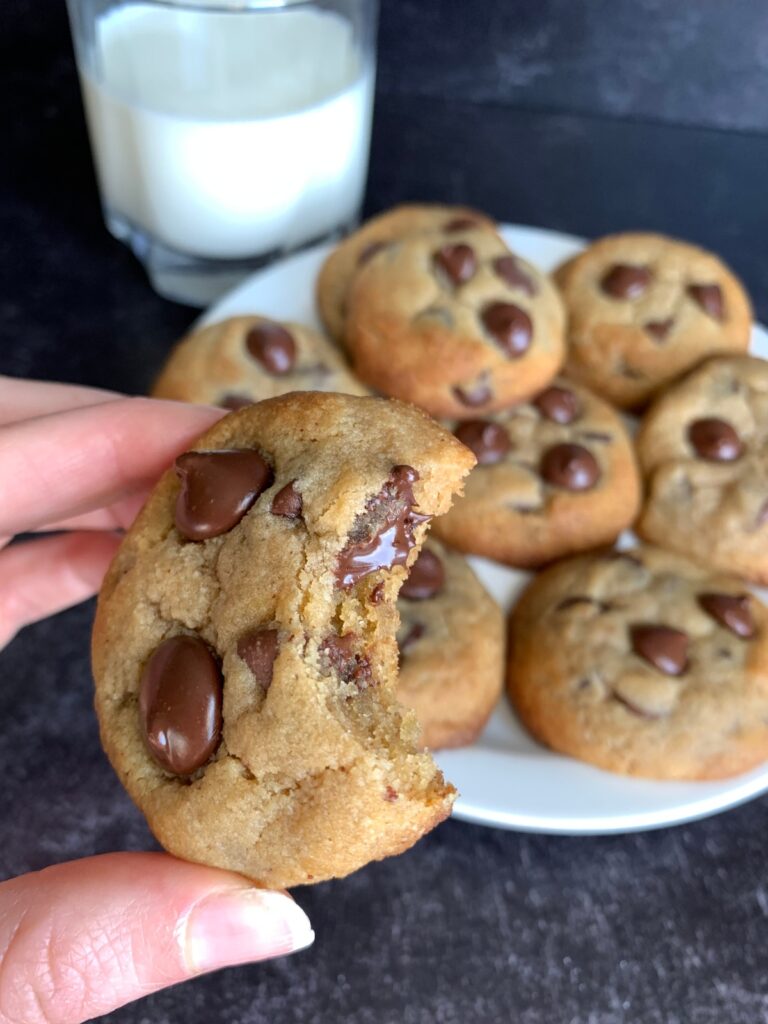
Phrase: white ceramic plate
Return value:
(506, 778)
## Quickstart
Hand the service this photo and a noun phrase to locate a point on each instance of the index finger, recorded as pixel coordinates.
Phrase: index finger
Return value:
(22, 399)
(59, 466)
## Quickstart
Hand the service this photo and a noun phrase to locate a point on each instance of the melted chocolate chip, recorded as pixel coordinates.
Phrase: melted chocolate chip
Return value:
(287, 502)
(383, 534)
(461, 224)
(659, 329)
(715, 440)
(234, 402)
(624, 281)
(258, 649)
(457, 262)
(391, 794)
(570, 467)
(708, 297)
(273, 347)
(509, 326)
(558, 405)
(339, 656)
(426, 578)
(217, 489)
(488, 440)
(180, 696)
(731, 611)
(510, 271)
(664, 648)
(370, 251)
(416, 632)
(473, 395)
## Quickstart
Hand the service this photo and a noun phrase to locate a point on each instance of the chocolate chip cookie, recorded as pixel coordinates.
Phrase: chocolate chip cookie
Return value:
(643, 663)
(554, 475)
(703, 447)
(355, 250)
(244, 648)
(248, 358)
(451, 641)
(643, 309)
(454, 326)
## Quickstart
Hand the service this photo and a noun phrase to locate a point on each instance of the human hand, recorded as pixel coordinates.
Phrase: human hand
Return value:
(79, 939)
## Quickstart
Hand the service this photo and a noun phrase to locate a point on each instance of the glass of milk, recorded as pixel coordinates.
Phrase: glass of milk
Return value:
(225, 132)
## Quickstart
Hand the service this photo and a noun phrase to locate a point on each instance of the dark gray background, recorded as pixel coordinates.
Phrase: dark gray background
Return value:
(583, 115)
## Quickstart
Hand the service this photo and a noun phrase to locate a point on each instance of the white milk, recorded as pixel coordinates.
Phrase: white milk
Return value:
(228, 135)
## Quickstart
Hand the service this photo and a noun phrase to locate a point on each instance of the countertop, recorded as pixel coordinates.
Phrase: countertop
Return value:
(473, 924)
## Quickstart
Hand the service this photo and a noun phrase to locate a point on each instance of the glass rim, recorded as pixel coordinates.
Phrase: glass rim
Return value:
(229, 6)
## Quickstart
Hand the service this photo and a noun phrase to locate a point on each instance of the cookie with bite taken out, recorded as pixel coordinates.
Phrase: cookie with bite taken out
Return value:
(244, 648)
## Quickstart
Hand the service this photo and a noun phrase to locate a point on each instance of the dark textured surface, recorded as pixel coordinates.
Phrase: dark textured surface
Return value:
(474, 925)
(701, 62)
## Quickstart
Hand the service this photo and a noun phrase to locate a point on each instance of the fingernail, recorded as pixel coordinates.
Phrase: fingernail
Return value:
(238, 926)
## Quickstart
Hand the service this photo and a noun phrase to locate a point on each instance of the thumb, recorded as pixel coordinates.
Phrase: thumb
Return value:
(79, 939)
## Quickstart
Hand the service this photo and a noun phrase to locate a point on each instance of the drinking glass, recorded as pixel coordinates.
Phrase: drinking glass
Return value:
(225, 134)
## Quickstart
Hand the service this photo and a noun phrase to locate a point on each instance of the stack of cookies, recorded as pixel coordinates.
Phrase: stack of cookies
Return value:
(652, 661)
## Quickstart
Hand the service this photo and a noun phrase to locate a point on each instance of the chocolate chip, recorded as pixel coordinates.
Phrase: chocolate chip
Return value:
(180, 695)
(416, 632)
(624, 281)
(708, 297)
(339, 656)
(715, 440)
(426, 578)
(488, 440)
(659, 329)
(570, 467)
(731, 611)
(461, 224)
(558, 405)
(473, 395)
(234, 402)
(273, 347)
(457, 262)
(287, 502)
(664, 648)
(377, 594)
(510, 271)
(258, 649)
(509, 326)
(382, 535)
(217, 489)
(391, 794)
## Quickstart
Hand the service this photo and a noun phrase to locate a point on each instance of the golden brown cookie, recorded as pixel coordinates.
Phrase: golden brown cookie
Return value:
(246, 359)
(451, 640)
(643, 308)
(555, 475)
(244, 647)
(455, 327)
(350, 254)
(643, 663)
(703, 447)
